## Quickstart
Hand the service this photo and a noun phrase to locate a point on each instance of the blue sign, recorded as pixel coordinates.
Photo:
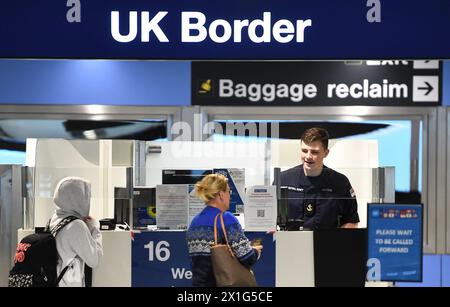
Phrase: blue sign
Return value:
(235, 29)
(395, 242)
(161, 259)
(237, 187)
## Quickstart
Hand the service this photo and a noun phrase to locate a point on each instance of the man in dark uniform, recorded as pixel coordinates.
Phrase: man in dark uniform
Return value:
(320, 196)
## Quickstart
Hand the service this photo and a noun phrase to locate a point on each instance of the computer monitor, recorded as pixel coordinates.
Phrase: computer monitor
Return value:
(185, 176)
(144, 207)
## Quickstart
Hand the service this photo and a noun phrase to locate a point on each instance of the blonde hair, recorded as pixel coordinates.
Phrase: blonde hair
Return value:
(210, 186)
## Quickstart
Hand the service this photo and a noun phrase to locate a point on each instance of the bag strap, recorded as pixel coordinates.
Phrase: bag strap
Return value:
(64, 222)
(223, 230)
(215, 228)
(60, 276)
(55, 230)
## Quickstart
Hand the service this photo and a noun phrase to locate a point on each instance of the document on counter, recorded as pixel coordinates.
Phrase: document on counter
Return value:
(260, 210)
(172, 202)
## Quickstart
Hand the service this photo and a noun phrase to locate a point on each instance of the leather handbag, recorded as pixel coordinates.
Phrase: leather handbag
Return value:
(228, 270)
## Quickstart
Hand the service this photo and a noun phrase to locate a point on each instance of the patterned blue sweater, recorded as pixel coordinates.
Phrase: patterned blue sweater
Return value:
(200, 236)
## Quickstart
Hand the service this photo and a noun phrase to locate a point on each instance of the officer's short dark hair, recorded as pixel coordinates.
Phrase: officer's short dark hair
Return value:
(316, 134)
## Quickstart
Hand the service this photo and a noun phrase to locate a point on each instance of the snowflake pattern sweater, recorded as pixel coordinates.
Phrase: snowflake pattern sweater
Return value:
(200, 236)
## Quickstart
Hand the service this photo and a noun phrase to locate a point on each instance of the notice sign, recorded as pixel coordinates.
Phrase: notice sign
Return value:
(395, 242)
(172, 206)
(260, 208)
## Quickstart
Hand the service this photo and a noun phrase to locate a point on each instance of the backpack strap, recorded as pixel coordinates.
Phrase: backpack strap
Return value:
(62, 224)
(47, 227)
(60, 276)
(54, 231)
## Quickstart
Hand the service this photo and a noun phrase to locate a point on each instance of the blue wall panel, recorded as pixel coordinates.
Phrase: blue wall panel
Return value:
(446, 271)
(446, 84)
(95, 82)
(431, 273)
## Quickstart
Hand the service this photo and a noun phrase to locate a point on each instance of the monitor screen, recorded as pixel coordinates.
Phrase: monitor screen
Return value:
(144, 207)
(175, 176)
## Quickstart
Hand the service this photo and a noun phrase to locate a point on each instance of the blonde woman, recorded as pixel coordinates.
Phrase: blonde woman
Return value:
(213, 189)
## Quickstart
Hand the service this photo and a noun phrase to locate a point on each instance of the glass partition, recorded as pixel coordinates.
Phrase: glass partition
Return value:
(173, 168)
(104, 200)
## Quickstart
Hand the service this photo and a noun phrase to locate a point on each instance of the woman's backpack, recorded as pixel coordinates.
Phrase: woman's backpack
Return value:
(36, 259)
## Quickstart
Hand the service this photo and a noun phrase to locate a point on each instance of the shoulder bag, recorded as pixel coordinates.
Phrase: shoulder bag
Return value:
(228, 270)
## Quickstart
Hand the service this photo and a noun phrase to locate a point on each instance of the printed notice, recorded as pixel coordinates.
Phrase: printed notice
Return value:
(172, 206)
(260, 208)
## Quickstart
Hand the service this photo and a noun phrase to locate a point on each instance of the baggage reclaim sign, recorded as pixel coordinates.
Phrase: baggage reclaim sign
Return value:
(328, 83)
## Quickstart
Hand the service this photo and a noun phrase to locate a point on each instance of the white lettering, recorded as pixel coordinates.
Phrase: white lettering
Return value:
(283, 31)
(226, 31)
(180, 273)
(194, 297)
(368, 90)
(353, 90)
(254, 92)
(148, 26)
(301, 26)
(161, 252)
(264, 24)
(403, 241)
(393, 250)
(310, 90)
(225, 88)
(342, 90)
(195, 29)
(115, 27)
(296, 92)
(384, 232)
(238, 26)
(269, 92)
(187, 26)
(240, 91)
(404, 232)
(283, 91)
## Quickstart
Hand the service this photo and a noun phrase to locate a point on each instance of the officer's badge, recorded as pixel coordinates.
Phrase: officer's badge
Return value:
(309, 209)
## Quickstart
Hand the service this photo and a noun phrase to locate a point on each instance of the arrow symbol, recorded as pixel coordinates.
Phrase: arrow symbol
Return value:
(429, 88)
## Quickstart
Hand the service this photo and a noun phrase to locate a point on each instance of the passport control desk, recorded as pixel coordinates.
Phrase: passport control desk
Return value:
(321, 258)
(289, 259)
(114, 269)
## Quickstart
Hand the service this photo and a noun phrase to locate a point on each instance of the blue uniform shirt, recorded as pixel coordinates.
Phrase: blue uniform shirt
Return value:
(323, 202)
